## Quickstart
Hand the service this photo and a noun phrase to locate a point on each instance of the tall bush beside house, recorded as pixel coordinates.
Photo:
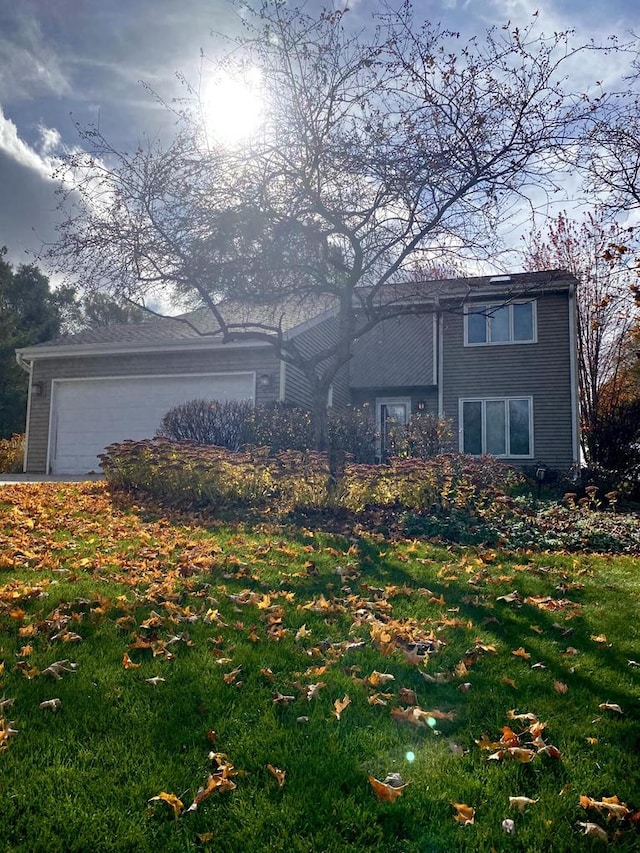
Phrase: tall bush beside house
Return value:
(281, 427)
(353, 431)
(219, 422)
(11, 454)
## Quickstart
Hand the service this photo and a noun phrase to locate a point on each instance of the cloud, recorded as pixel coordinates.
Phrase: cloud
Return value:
(28, 66)
(28, 214)
(12, 146)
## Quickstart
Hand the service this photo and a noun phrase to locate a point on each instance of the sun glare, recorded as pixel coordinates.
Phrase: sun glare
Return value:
(234, 106)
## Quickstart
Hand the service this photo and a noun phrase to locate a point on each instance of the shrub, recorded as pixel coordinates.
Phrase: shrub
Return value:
(185, 473)
(447, 482)
(11, 454)
(217, 422)
(425, 436)
(280, 427)
(353, 431)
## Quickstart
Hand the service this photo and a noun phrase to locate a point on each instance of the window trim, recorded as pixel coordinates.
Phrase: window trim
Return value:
(471, 309)
(506, 401)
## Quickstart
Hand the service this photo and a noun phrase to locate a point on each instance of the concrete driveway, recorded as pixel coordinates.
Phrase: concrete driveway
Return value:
(6, 479)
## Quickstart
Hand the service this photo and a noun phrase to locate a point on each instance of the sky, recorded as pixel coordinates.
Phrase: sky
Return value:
(69, 63)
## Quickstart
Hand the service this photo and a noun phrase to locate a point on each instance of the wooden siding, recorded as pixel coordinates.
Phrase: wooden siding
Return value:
(148, 364)
(540, 370)
(396, 353)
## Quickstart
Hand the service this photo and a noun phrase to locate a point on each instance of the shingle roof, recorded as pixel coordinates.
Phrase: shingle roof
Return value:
(288, 316)
(197, 324)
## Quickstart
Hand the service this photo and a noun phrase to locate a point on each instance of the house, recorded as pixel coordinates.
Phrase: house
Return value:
(494, 355)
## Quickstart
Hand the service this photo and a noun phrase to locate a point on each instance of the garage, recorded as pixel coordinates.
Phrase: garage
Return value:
(88, 414)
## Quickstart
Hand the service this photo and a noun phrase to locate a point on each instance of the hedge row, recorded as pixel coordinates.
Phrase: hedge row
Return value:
(184, 473)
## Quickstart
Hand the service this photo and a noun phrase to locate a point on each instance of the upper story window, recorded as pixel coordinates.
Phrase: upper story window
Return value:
(514, 323)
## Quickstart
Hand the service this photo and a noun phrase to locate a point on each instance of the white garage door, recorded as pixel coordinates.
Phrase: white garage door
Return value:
(89, 414)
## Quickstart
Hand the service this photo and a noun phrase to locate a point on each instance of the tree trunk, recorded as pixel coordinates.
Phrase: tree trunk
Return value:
(319, 418)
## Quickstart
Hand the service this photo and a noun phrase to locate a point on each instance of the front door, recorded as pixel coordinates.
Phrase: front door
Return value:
(393, 415)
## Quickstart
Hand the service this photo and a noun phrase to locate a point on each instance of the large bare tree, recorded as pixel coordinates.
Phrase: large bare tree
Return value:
(379, 150)
(606, 312)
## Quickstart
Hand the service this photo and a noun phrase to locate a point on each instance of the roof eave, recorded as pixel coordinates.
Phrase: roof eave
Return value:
(131, 348)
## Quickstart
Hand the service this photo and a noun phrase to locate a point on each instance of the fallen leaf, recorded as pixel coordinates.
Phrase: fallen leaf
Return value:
(389, 790)
(560, 687)
(527, 717)
(155, 680)
(312, 690)
(339, 706)
(521, 802)
(127, 663)
(521, 653)
(407, 696)
(611, 706)
(171, 800)
(593, 830)
(376, 679)
(230, 677)
(50, 704)
(281, 699)
(464, 814)
(57, 668)
(610, 805)
(278, 774)
(508, 826)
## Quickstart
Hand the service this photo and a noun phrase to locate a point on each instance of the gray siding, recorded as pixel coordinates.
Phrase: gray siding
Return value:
(296, 387)
(147, 364)
(397, 353)
(422, 399)
(540, 370)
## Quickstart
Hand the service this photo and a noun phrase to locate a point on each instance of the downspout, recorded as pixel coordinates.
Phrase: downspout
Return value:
(440, 360)
(575, 405)
(27, 366)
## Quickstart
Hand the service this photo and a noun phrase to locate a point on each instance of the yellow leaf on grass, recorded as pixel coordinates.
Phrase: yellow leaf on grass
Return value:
(278, 774)
(464, 814)
(378, 678)
(127, 663)
(171, 800)
(521, 653)
(339, 706)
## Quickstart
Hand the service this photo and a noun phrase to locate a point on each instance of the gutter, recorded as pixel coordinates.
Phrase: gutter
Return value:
(129, 348)
(573, 356)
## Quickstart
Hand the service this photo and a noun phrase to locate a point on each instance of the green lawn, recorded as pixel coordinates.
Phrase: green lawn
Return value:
(258, 637)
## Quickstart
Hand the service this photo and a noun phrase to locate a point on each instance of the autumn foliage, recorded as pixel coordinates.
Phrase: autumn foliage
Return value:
(190, 474)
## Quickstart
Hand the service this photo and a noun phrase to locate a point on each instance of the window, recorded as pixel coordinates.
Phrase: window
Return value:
(514, 323)
(499, 427)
